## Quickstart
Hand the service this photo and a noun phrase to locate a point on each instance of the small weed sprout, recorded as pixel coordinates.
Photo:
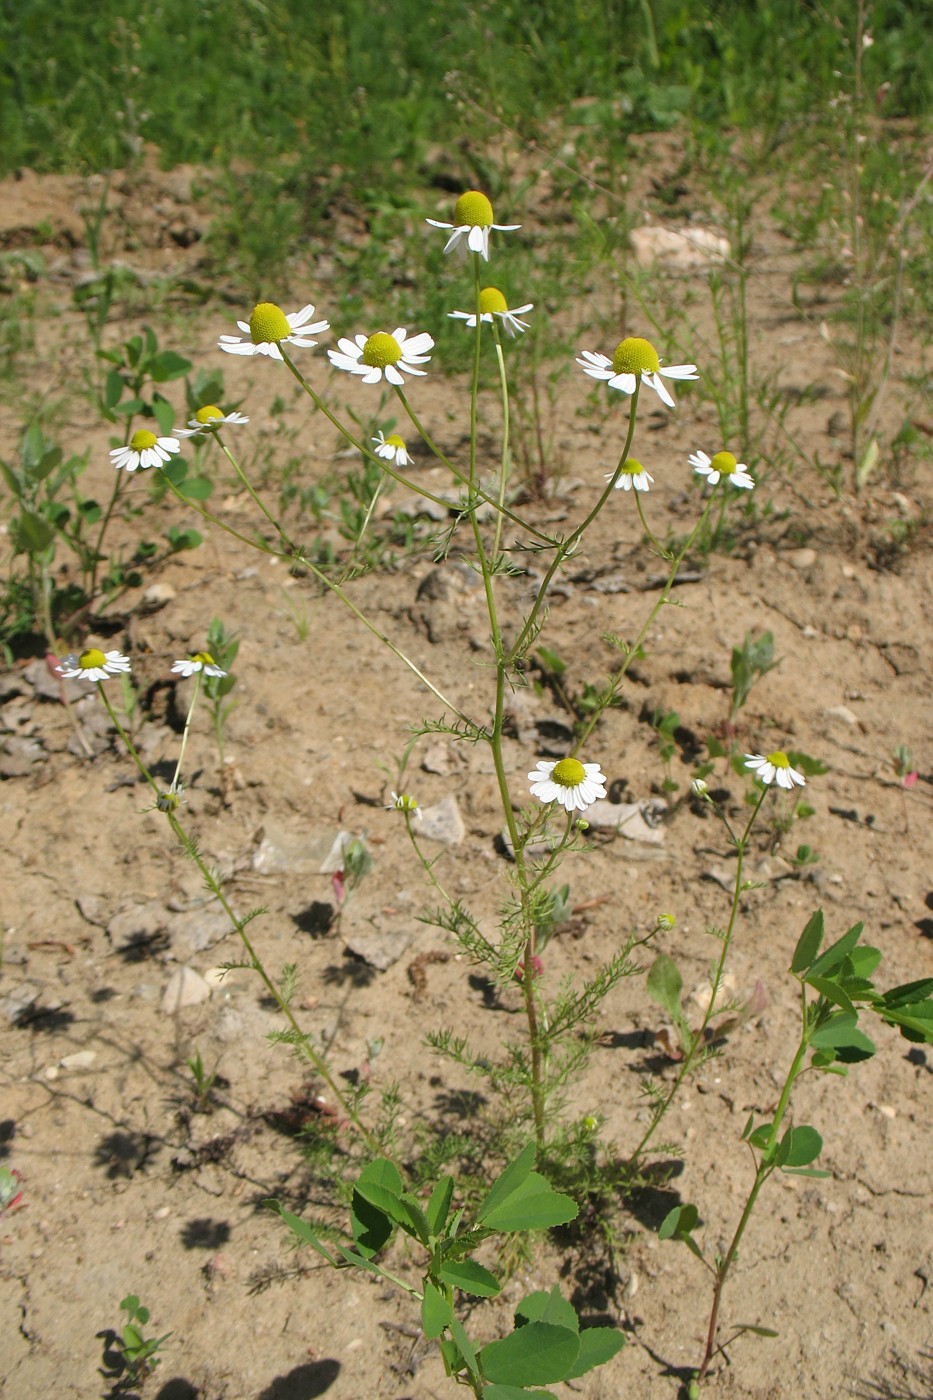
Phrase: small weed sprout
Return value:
(138, 1352)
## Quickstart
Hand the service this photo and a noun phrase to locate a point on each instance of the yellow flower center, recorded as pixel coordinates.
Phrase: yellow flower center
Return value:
(635, 356)
(724, 462)
(491, 299)
(268, 324)
(632, 467)
(204, 657)
(381, 350)
(473, 209)
(568, 773)
(142, 439)
(393, 440)
(91, 658)
(779, 759)
(405, 802)
(208, 413)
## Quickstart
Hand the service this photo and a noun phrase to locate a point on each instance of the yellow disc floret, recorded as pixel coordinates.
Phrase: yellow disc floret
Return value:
(779, 759)
(142, 439)
(204, 657)
(91, 659)
(723, 462)
(268, 324)
(632, 467)
(491, 300)
(380, 350)
(473, 210)
(635, 356)
(568, 773)
(208, 413)
(393, 440)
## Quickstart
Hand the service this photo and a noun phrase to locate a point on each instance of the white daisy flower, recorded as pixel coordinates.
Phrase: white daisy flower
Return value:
(573, 784)
(722, 465)
(382, 355)
(393, 449)
(93, 665)
(635, 359)
(775, 768)
(208, 419)
(472, 222)
(493, 303)
(632, 475)
(269, 327)
(404, 802)
(144, 450)
(199, 661)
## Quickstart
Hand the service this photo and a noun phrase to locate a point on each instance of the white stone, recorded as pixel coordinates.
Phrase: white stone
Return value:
(185, 987)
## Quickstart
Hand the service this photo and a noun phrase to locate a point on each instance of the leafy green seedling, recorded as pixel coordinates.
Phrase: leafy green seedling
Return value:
(137, 1351)
(547, 1345)
(750, 661)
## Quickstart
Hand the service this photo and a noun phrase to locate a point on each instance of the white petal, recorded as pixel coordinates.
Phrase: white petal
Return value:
(298, 318)
(658, 385)
(393, 376)
(625, 382)
(700, 460)
(679, 371)
(436, 223)
(419, 345)
(371, 373)
(476, 240)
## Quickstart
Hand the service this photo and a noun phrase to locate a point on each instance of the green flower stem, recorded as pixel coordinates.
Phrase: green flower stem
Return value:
(474, 387)
(619, 675)
(741, 845)
(293, 555)
(477, 491)
(763, 1170)
(506, 448)
(256, 498)
(96, 556)
(567, 546)
(381, 462)
(184, 737)
(188, 844)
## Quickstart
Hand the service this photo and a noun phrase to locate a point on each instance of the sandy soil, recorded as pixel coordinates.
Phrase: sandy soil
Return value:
(128, 1189)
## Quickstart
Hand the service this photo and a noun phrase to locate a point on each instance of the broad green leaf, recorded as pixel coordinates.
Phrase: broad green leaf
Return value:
(164, 415)
(358, 1261)
(808, 944)
(840, 1033)
(471, 1277)
(915, 1021)
(758, 1331)
(301, 1230)
(759, 1138)
(196, 488)
(439, 1204)
(597, 1346)
(32, 533)
(436, 1312)
(544, 1306)
(806, 1171)
(515, 1392)
(839, 950)
(749, 1125)
(113, 389)
(175, 471)
(380, 1183)
(132, 1337)
(12, 480)
(864, 960)
(413, 1219)
(372, 1228)
(168, 365)
(831, 990)
(665, 984)
(679, 1222)
(906, 992)
(533, 1206)
(509, 1180)
(804, 1145)
(535, 1354)
(467, 1350)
